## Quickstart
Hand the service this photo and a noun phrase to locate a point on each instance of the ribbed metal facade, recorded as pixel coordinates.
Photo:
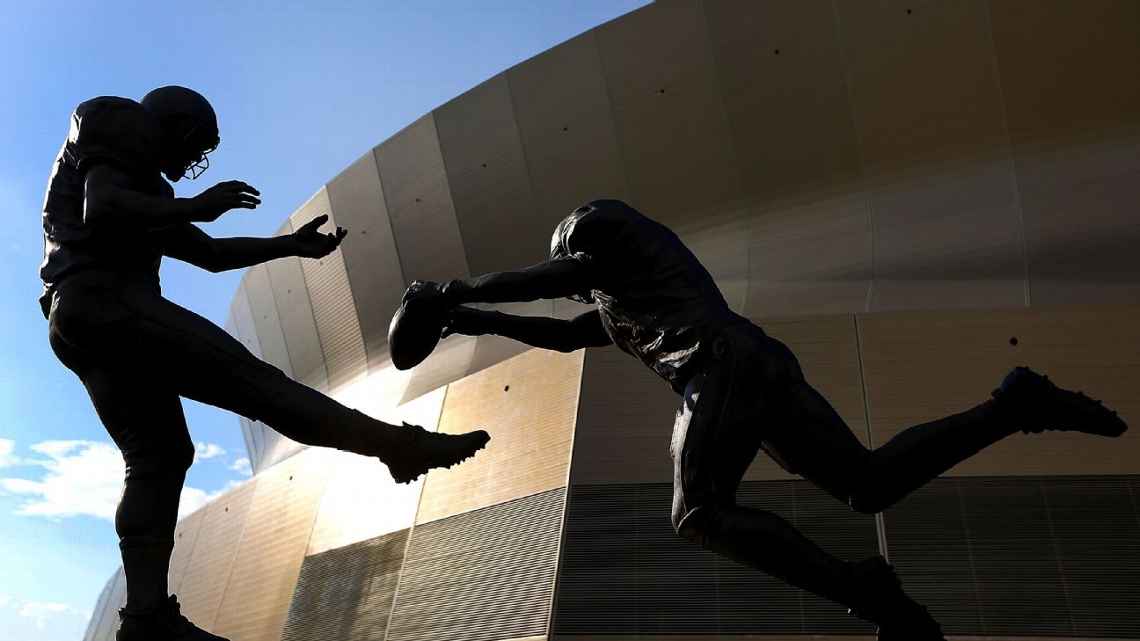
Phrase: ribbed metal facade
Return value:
(624, 570)
(346, 593)
(481, 576)
(1028, 556)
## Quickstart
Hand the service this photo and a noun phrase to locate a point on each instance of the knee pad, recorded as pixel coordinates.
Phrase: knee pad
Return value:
(692, 525)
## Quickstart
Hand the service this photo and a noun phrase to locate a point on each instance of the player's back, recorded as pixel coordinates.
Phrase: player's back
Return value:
(656, 299)
(121, 133)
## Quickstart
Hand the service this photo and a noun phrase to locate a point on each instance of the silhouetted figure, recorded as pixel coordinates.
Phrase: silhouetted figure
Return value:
(743, 391)
(109, 217)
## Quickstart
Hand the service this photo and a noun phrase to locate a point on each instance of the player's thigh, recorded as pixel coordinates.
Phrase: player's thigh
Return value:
(808, 437)
(143, 417)
(714, 442)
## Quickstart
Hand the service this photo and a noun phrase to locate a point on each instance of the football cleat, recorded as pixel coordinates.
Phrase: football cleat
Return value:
(1038, 405)
(164, 622)
(426, 450)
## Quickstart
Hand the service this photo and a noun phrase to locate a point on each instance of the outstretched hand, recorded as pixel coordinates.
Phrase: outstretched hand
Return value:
(314, 244)
(209, 205)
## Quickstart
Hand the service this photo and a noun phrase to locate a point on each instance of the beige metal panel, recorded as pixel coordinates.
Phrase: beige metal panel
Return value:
(204, 582)
(295, 310)
(928, 111)
(361, 501)
(270, 550)
(487, 171)
(369, 251)
(920, 366)
(813, 258)
(1073, 104)
(185, 539)
(722, 246)
(242, 326)
(785, 92)
(673, 132)
(1065, 68)
(334, 308)
(450, 361)
(528, 405)
(419, 204)
(626, 414)
(266, 322)
(949, 239)
(923, 83)
(567, 128)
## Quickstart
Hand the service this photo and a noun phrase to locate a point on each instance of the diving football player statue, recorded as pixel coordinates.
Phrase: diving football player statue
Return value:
(108, 218)
(742, 391)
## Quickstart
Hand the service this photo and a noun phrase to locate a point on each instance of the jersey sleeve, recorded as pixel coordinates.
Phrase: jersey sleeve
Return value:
(116, 131)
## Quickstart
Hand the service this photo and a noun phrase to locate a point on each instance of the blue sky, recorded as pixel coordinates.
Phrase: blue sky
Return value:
(300, 92)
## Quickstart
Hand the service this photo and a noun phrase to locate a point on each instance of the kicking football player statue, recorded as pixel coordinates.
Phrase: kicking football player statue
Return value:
(743, 391)
(109, 217)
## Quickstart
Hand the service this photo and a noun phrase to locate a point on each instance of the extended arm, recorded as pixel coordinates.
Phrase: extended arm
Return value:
(109, 194)
(188, 243)
(552, 279)
(585, 330)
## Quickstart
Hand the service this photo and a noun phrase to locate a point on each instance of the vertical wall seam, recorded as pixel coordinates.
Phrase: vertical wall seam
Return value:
(451, 192)
(412, 527)
(880, 522)
(865, 186)
(1012, 159)
(565, 502)
(312, 310)
(970, 554)
(622, 156)
(351, 295)
(1060, 561)
(233, 561)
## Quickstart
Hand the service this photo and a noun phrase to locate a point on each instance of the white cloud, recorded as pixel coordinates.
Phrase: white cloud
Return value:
(82, 478)
(5, 600)
(242, 466)
(7, 459)
(204, 451)
(42, 611)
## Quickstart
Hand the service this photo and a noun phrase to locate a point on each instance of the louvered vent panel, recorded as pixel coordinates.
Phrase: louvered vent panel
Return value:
(346, 593)
(620, 537)
(1024, 556)
(334, 312)
(482, 575)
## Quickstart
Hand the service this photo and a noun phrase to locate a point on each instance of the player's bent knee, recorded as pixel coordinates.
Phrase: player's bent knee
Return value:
(167, 463)
(692, 525)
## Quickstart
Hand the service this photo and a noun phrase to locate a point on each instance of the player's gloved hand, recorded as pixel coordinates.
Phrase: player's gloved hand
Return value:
(314, 244)
(209, 205)
(467, 321)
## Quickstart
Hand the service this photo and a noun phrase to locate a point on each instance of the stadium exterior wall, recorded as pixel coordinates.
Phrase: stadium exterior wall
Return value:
(915, 196)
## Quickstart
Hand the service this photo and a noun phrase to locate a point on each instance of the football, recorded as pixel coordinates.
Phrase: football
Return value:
(414, 330)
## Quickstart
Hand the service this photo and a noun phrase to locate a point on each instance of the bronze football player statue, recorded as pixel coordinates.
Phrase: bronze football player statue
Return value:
(742, 391)
(109, 217)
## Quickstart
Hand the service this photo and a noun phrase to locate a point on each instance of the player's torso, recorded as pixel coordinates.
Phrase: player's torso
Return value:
(657, 301)
(71, 244)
